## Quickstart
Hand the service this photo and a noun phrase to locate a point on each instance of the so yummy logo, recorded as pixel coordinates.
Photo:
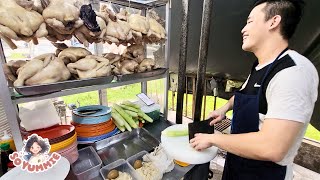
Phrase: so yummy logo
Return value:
(34, 156)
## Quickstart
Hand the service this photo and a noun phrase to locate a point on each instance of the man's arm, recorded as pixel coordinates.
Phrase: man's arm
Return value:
(271, 143)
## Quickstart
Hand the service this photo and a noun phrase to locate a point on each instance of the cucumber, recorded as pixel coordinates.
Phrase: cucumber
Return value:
(128, 103)
(131, 113)
(125, 116)
(145, 117)
(175, 133)
(122, 129)
(129, 108)
(117, 118)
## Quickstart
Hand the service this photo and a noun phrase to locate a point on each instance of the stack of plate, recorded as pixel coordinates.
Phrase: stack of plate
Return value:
(93, 123)
(63, 140)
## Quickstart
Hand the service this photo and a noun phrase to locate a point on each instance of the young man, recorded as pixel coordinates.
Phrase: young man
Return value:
(274, 106)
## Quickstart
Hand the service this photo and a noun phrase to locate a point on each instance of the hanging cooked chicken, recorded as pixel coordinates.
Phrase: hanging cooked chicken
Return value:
(156, 32)
(116, 31)
(17, 23)
(73, 54)
(63, 16)
(93, 27)
(134, 52)
(90, 67)
(54, 36)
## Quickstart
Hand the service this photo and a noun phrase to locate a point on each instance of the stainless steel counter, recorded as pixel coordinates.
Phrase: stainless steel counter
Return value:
(155, 129)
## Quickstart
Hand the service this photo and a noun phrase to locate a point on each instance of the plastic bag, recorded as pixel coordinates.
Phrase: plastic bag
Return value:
(38, 115)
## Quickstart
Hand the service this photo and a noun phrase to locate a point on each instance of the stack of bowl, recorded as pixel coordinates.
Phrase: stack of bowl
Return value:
(62, 138)
(93, 123)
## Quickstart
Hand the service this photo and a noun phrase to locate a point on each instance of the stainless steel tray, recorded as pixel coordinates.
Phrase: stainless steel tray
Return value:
(59, 86)
(124, 145)
(147, 74)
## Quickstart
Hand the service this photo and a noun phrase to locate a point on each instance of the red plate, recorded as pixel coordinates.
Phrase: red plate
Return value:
(54, 132)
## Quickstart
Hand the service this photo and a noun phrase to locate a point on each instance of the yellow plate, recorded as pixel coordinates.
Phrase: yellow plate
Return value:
(63, 144)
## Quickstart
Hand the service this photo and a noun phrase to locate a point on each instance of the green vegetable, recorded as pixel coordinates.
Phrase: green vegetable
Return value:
(145, 117)
(131, 113)
(129, 108)
(122, 129)
(117, 117)
(127, 126)
(126, 117)
(175, 133)
(128, 103)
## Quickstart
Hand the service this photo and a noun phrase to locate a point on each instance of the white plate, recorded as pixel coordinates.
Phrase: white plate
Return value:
(180, 149)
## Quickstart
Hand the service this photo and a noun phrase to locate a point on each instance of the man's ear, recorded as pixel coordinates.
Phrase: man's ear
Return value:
(274, 22)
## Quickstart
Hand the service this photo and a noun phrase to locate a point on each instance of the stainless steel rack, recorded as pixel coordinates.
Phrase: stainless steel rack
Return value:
(11, 99)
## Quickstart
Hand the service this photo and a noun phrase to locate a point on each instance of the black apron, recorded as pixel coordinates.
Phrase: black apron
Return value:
(245, 120)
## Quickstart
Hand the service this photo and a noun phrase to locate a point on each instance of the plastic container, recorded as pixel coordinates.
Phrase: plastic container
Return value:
(139, 156)
(153, 111)
(88, 164)
(119, 165)
(70, 153)
(135, 157)
(7, 139)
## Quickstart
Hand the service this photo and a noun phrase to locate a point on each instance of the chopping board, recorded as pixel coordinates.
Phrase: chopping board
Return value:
(58, 172)
(179, 148)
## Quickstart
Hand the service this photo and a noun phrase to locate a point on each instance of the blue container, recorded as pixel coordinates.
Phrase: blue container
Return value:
(94, 114)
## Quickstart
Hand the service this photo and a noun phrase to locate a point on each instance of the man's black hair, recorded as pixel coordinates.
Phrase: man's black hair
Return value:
(290, 11)
(42, 144)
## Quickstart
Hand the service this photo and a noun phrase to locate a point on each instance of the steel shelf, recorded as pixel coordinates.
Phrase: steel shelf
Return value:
(10, 98)
(66, 92)
(139, 4)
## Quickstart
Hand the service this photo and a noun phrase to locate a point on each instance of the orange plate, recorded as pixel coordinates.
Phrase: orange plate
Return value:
(54, 132)
(95, 130)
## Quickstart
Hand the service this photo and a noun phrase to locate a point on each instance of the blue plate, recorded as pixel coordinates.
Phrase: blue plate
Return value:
(98, 138)
(94, 114)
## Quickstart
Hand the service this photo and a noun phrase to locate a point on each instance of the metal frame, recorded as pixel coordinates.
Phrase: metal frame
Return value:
(182, 60)
(133, 4)
(167, 55)
(10, 105)
(203, 53)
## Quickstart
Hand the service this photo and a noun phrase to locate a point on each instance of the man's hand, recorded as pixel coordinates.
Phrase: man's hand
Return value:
(201, 141)
(220, 114)
(217, 115)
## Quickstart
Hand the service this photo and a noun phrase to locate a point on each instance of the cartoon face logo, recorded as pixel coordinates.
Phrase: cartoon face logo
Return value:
(36, 149)
(35, 156)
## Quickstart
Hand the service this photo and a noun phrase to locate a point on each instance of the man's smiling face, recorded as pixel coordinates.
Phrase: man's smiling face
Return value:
(255, 30)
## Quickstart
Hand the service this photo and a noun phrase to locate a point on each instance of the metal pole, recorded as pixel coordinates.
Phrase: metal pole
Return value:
(182, 60)
(8, 106)
(144, 87)
(205, 99)
(193, 94)
(167, 55)
(186, 108)
(203, 52)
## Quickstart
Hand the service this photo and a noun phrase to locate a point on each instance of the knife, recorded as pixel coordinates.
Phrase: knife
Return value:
(200, 127)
